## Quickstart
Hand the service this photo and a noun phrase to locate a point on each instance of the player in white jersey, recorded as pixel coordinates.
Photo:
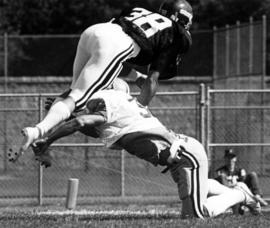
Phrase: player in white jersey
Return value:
(122, 123)
(138, 35)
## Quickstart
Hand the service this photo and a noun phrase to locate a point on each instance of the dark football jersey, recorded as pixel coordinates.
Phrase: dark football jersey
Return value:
(161, 40)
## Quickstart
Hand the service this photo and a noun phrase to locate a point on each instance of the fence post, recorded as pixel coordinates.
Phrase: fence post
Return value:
(238, 46)
(264, 49)
(86, 155)
(6, 59)
(123, 173)
(264, 62)
(5, 100)
(40, 167)
(214, 52)
(251, 45)
(208, 126)
(227, 51)
(202, 114)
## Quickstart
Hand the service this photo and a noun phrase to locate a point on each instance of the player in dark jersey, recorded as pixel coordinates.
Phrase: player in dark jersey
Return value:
(137, 35)
(162, 37)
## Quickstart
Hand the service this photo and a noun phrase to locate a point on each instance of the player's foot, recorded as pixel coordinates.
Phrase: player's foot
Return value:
(41, 151)
(45, 160)
(261, 200)
(30, 134)
(250, 200)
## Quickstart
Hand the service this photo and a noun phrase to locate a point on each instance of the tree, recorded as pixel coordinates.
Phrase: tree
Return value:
(58, 16)
(73, 16)
(222, 12)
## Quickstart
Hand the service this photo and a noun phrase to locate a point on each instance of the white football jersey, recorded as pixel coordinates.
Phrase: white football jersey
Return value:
(124, 115)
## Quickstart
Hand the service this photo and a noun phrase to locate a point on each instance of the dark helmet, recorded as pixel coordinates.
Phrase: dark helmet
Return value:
(177, 10)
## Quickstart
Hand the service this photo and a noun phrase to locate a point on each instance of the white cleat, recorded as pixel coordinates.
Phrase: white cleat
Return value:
(30, 134)
(250, 200)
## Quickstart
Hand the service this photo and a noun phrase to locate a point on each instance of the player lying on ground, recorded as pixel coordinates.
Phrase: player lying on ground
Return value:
(139, 36)
(122, 123)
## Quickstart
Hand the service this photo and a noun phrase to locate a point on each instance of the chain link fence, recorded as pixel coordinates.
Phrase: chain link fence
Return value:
(102, 173)
(53, 55)
(239, 120)
(236, 119)
(222, 119)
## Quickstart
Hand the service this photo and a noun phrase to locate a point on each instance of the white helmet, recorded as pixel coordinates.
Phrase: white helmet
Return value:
(120, 85)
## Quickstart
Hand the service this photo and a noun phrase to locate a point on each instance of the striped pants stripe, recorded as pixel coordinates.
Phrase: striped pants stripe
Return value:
(191, 176)
(101, 51)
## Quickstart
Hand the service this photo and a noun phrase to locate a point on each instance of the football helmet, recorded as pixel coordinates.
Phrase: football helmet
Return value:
(177, 10)
(120, 85)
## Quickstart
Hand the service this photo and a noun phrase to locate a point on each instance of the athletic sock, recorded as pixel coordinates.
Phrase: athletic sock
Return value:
(57, 113)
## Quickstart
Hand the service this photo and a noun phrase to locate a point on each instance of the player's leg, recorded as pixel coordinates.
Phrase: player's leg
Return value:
(82, 55)
(109, 47)
(252, 181)
(221, 198)
(190, 175)
(215, 187)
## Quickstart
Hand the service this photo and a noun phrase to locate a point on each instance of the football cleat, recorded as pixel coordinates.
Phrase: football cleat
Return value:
(30, 134)
(250, 200)
(42, 153)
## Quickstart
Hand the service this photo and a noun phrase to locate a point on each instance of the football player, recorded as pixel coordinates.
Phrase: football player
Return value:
(139, 36)
(123, 123)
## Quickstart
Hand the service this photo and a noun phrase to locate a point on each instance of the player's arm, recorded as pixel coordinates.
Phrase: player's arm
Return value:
(80, 123)
(149, 88)
(164, 66)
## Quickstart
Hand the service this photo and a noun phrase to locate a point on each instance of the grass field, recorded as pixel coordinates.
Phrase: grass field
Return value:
(120, 216)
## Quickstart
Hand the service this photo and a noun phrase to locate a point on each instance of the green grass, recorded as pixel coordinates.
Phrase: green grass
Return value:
(120, 216)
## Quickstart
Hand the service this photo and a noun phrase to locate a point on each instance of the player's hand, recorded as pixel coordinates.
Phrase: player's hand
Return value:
(48, 102)
(175, 152)
(140, 105)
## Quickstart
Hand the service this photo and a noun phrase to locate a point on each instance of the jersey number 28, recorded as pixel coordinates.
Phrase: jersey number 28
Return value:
(149, 22)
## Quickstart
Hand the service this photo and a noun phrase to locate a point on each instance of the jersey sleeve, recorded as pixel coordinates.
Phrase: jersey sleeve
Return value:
(166, 64)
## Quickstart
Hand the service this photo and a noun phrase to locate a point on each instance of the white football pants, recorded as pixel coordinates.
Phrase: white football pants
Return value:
(101, 50)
